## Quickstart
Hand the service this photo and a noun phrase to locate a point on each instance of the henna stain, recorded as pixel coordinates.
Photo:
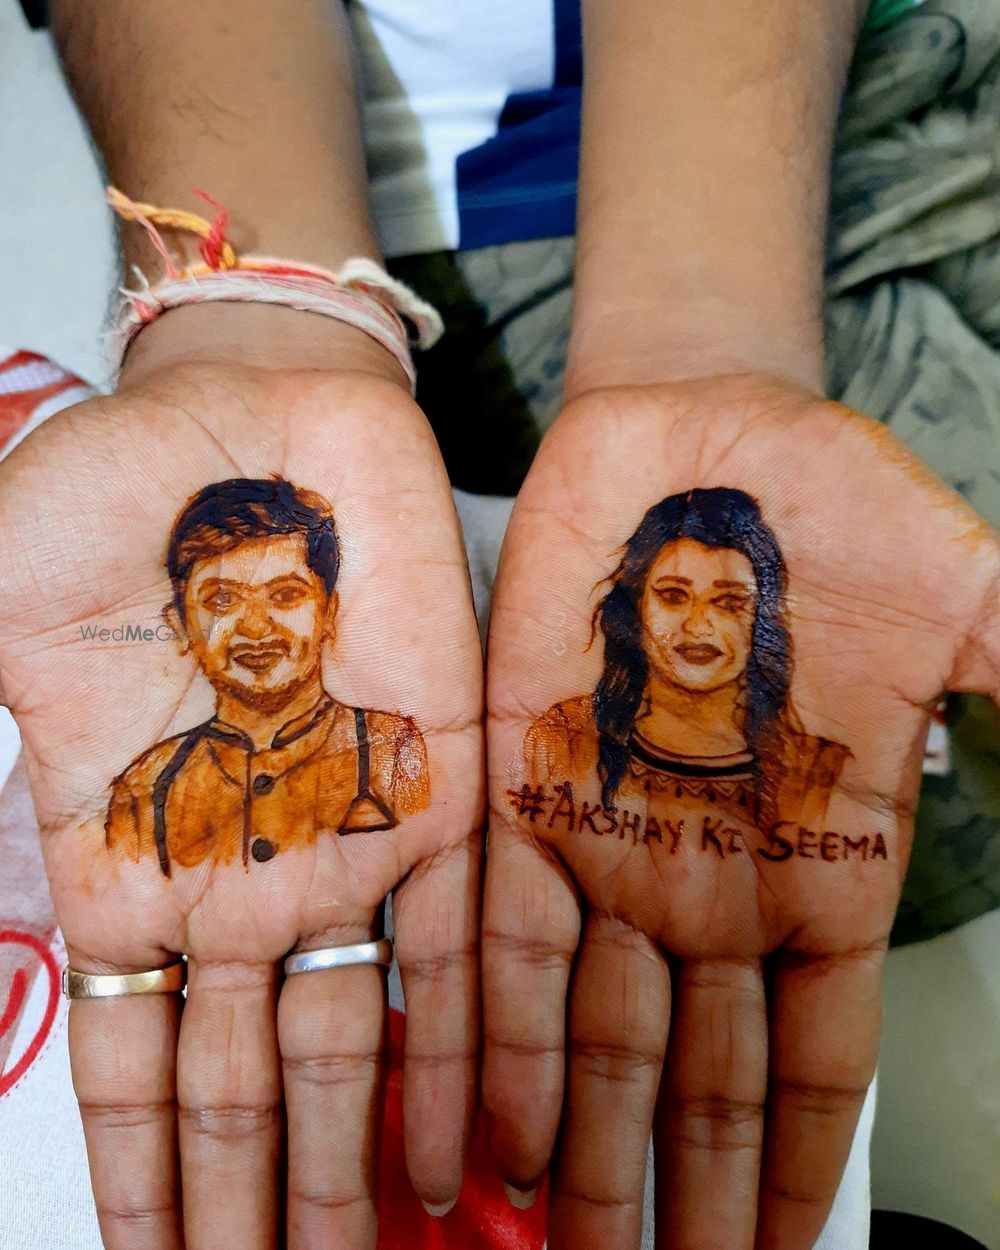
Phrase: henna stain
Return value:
(254, 565)
(556, 808)
(977, 532)
(692, 711)
(786, 839)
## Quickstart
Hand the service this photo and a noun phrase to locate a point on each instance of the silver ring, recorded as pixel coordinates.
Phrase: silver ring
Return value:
(169, 980)
(379, 952)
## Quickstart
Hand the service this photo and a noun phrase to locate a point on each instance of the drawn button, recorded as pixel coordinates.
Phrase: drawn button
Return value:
(263, 783)
(262, 849)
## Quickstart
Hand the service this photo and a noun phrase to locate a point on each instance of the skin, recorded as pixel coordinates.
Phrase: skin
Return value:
(183, 118)
(697, 615)
(700, 240)
(192, 1143)
(696, 359)
(624, 986)
(258, 619)
(211, 392)
(728, 201)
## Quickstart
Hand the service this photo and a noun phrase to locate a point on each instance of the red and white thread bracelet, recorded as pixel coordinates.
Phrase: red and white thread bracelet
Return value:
(360, 294)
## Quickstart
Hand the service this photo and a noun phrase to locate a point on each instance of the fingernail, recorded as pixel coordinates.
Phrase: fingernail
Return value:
(520, 1199)
(441, 1210)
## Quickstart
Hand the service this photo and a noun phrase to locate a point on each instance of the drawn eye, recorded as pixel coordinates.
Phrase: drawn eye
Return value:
(221, 601)
(673, 596)
(731, 603)
(288, 596)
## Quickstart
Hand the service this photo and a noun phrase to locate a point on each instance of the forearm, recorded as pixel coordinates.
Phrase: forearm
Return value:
(707, 134)
(253, 103)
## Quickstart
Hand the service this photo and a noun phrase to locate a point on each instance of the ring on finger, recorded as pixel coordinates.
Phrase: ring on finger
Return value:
(379, 952)
(169, 980)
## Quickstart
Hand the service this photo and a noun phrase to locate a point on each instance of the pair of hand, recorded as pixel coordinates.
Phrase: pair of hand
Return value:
(713, 989)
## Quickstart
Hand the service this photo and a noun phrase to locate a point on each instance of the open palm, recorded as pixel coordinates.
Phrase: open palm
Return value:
(725, 611)
(86, 507)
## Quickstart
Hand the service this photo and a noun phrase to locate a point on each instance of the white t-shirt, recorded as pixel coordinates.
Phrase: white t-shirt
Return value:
(471, 118)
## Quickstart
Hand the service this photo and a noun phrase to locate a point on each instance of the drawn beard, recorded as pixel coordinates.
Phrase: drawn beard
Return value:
(256, 661)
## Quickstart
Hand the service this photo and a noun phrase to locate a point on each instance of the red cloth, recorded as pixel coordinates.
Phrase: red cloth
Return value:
(483, 1219)
(26, 379)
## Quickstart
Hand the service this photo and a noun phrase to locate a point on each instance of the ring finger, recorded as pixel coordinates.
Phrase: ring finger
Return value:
(710, 1115)
(619, 1018)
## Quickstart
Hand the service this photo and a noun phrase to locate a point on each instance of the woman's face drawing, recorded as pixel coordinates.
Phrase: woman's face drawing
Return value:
(697, 612)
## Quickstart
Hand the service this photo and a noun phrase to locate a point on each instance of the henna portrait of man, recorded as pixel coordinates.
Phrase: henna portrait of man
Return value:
(254, 565)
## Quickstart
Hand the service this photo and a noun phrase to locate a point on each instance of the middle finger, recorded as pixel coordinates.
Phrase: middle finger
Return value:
(618, 1034)
(710, 1115)
(229, 1095)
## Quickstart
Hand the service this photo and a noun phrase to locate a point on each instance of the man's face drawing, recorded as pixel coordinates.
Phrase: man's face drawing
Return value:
(256, 618)
(697, 612)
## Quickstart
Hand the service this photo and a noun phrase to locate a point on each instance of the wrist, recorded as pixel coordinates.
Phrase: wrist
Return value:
(264, 336)
(643, 341)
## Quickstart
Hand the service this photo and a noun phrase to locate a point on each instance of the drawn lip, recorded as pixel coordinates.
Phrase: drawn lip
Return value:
(260, 659)
(698, 652)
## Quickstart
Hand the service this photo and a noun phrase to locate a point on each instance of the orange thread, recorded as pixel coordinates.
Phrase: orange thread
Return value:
(360, 294)
(215, 249)
(129, 210)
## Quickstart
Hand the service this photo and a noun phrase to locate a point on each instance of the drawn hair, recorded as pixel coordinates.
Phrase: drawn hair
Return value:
(225, 514)
(721, 518)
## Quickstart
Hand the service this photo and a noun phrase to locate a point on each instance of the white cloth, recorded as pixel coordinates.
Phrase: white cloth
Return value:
(435, 75)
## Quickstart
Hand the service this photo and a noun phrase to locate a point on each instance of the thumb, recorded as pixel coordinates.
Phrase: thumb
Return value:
(977, 659)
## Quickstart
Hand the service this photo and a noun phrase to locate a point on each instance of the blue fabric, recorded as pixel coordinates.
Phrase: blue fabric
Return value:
(521, 183)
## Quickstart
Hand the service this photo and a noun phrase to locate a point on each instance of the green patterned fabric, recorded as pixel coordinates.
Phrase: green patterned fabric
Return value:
(913, 339)
(913, 316)
(884, 12)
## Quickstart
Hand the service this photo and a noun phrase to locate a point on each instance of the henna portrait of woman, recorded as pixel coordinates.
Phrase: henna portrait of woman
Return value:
(693, 708)
(712, 666)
